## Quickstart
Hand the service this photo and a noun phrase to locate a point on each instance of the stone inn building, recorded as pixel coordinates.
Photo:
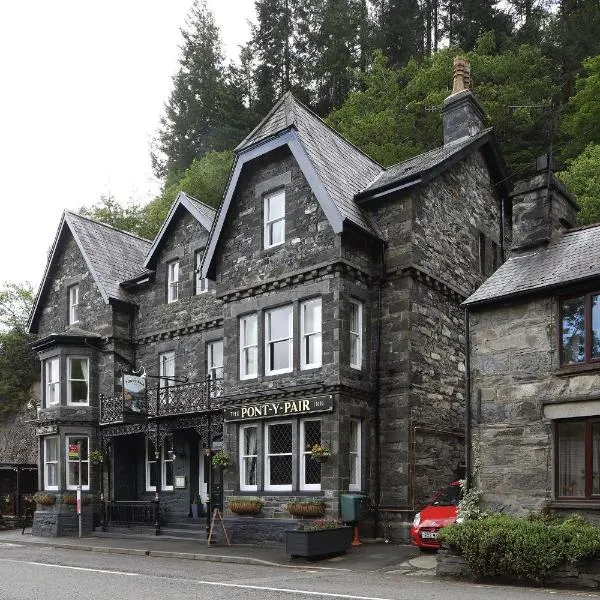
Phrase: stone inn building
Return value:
(319, 304)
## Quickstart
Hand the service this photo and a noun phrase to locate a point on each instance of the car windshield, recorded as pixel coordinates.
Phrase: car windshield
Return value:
(449, 496)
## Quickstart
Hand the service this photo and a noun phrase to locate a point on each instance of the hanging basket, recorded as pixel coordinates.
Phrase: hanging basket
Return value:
(306, 509)
(240, 507)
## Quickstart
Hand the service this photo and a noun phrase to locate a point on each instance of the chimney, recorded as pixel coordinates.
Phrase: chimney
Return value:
(542, 208)
(462, 114)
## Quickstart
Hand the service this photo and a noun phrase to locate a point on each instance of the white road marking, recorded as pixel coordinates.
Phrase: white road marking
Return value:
(9, 545)
(201, 582)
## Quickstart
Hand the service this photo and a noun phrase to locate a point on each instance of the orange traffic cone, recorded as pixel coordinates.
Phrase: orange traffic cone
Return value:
(356, 541)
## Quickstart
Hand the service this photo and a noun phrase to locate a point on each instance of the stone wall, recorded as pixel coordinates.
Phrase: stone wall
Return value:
(18, 443)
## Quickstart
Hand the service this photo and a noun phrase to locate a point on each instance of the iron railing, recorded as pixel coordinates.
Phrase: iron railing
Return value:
(186, 398)
(127, 513)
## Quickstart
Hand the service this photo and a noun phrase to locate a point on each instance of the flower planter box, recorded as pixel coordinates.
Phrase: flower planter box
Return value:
(310, 511)
(245, 508)
(318, 543)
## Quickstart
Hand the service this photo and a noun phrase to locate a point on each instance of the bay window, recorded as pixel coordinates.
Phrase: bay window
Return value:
(278, 340)
(248, 346)
(52, 381)
(76, 444)
(78, 388)
(248, 457)
(580, 329)
(310, 334)
(51, 463)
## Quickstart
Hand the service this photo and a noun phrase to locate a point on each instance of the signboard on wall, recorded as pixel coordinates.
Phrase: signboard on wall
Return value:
(46, 430)
(278, 408)
(134, 392)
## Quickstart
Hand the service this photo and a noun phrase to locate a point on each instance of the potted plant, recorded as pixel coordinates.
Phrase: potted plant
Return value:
(320, 538)
(306, 507)
(197, 508)
(44, 498)
(245, 505)
(221, 459)
(320, 452)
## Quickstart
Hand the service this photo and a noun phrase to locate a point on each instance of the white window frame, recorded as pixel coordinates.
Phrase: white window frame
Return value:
(166, 372)
(70, 360)
(269, 222)
(214, 367)
(245, 348)
(52, 370)
(306, 335)
(305, 455)
(150, 461)
(172, 281)
(201, 283)
(267, 463)
(56, 441)
(164, 459)
(269, 342)
(73, 292)
(355, 479)
(85, 464)
(356, 336)
(243, 459)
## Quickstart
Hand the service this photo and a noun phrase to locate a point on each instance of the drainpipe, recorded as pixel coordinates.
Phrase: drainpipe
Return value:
(468, 475)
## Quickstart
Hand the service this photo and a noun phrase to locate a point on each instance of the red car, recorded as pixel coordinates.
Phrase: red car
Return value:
(440, 511)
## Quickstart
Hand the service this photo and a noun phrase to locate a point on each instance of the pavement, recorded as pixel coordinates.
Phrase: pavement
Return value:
(371, 555)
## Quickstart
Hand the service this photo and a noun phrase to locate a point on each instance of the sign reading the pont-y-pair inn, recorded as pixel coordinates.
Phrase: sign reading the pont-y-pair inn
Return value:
(279, 408)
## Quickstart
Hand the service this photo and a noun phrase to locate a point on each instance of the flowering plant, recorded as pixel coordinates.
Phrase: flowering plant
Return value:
(320, 452)
(96, 456)
(221, 459)
(44, 498)
(319, 524)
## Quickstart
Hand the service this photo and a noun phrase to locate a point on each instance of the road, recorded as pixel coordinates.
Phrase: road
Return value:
(42, 573)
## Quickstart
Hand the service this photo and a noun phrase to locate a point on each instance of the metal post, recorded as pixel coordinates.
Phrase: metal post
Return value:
(79, 516)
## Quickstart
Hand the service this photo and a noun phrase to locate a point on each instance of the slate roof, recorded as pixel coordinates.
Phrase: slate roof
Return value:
(428, 162)
(342, 168)
(574, 257)
(203, 213)
(111, 255)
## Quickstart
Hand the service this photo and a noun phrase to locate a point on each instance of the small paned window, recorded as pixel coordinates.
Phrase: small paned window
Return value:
(52, 381)
(73, 304)
(173, 281)
(310, 470)
(278, 456)
(356, 343)
(201, 283)
(355, 455)
(278, 340)
(274, 219)
(76, 444)
(578, 459)
(51, 463)
(248, 457)
(151, 467)
(248, 346)
(310, 327)
(78, 381)
(580, 329)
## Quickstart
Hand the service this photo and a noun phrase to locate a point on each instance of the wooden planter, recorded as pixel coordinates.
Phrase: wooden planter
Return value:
(319, 543)
(245, 508)
(309, 511)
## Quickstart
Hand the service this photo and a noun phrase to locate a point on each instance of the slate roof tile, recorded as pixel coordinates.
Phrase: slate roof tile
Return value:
(573, 257)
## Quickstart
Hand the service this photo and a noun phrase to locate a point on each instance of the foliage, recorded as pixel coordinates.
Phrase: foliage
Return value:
(320, 524)
(95, 456)
(320, 452)
(19, 368)
(501, 545)
(468, 506)
(245, 499)
(582, 178)
(307, 501)
(44, 498)
(126, 218)
(221, 459)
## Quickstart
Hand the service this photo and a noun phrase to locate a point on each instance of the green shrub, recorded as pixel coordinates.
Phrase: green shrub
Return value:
(500, 545)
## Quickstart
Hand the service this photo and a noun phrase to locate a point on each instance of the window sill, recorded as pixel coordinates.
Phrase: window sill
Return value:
(580, 504)
(568, 370)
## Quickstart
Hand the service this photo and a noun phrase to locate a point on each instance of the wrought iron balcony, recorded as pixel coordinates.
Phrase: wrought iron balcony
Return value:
(183, 399)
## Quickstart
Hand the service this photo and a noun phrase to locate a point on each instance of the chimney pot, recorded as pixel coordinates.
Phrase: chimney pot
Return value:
(462, 75)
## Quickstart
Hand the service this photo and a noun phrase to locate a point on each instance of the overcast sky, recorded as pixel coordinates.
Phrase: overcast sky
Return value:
(83, 89)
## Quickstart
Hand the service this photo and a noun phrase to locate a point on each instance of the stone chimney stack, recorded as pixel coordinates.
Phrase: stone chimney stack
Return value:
(462, 114)
(542, 208)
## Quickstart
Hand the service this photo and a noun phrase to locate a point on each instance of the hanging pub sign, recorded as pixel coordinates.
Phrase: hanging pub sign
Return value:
(134, 392)
(73, 451)
(279, 408)
(46, 430)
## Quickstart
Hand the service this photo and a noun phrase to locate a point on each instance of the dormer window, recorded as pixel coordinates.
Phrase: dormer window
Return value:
(73, 304)
(274, 219)
(173, 281)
